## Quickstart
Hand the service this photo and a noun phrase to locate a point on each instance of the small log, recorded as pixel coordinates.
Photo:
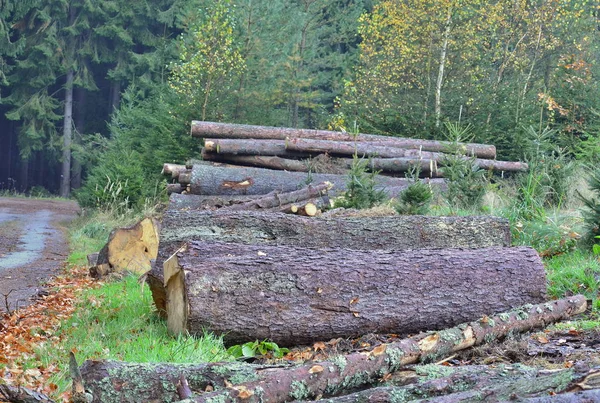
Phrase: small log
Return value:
(173, 188)
(248, 147)
(584, 396)
(471, 384)
(209, 180)
(401, 158)
(235, 131)
(397, 232)
(279, 199)
(132, 248)
(322, 203)
(306, 295)
(343, 373)
(270, 162)
(309, 210)
(198, 202)
(92, 259)
(170, 169)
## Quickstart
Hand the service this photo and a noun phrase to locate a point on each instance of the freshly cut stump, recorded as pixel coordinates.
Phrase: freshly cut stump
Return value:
(293, 295)
(132, 248)
(181, 225)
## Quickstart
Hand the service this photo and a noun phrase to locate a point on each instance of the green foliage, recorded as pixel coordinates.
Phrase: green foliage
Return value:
(466, 182)
(416, 199)
(591, 213)
(146, 132)
(256, 348)
(361, 192)
(575, 273)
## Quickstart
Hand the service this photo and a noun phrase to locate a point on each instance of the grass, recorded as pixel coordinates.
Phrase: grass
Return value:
(117, 321)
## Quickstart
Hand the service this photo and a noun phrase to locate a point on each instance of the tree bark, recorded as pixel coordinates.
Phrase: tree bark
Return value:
(270, 162)
(249, 147)
(210, 180)
(174, 188)
(343, 373)
(196, 202)
(19, 394)
(235, 131)
(301, 295)
(170, 169)
(65, 182)
(279, 199)
(473, 384)
(440, 78)
(396, 232)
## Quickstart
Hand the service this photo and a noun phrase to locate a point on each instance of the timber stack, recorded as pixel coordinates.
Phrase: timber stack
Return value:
(232, 262)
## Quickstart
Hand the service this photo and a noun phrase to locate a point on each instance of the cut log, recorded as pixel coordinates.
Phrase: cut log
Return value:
(436, 384)
(306, 295)
(132, 248)
(208, 180)
(382, 153)
(236, 131)
(173, 188)
(340, 374)
(343, 373)
(198, 202)
(361, 233)
(249, 147)
(279, 199)
(19, 394)
(270, 162)
(92, 259)
(170, 169)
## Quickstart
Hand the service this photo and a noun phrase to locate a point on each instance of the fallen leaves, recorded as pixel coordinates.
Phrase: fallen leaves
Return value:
(24, 331)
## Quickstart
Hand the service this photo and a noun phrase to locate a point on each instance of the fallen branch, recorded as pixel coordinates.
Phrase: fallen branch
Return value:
(19, 394)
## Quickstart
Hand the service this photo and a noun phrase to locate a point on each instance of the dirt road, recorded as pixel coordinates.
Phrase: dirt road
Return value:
(33, 246)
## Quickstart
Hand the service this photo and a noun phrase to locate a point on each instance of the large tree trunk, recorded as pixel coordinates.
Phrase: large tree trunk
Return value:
(210, 180)
(338, 375)
(362, 233)
(197, 202)
(65, 181)
(440, 79)
(236, 131)
(270, 162)
(298, 295)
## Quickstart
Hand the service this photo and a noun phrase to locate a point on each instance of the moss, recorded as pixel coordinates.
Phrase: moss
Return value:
(400, 396)
(505, 317)
(243, 376)
(522, 315)
(394, 357)
(451, 335)
(549, 307)
(259, 392)
(340, 362)
(539, 310)
(433, 371)
(491, 322)
(299, 390)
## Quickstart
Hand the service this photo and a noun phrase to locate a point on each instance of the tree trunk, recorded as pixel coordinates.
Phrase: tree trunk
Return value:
(343, 373)
(249, 147)
(471, 384)
(210, 180)
(396, 232)
(19, 394)
(440, 78)
(269, 162)
(196, 202)
(299, 295)
(170, 169)
(235, 131)
(65, 182)
(76, 171)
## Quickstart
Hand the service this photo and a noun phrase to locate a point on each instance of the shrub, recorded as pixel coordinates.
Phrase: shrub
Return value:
(591, 212)
(416, 199)
(360, 190)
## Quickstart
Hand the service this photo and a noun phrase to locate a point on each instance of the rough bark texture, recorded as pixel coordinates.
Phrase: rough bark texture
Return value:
(434, 383)
(270, 162)
(296, 295)
(150, 382)
(585, 396)
(209, 180)
(174, 188)
(248, 147)
(343, 373)
(170, 169)
(279, 199)
(198, 202)
(362, 233)
(235, 131)
(18, 394)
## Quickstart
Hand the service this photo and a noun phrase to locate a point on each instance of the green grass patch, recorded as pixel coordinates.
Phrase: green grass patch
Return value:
(577, 272)
(117, 321)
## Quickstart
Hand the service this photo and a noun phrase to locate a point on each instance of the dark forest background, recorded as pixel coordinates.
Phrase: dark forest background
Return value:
(100, 93)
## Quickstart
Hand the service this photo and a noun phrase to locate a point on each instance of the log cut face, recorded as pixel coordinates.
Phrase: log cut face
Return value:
(132, 248)
(294, 295)
(361, 233)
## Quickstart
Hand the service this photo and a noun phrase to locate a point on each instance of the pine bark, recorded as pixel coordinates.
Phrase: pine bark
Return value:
(180, 226)
(278, 199)
(196, 202)
(270, 162)
(211, 180)
(235, 131)
(65, 181)
(302, 295)
(342, 374)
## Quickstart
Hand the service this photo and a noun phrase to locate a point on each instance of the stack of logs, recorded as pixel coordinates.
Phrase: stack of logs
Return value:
(255, 160)
(230, 262)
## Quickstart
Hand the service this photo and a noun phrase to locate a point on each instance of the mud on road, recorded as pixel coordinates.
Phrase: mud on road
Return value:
(33, 246)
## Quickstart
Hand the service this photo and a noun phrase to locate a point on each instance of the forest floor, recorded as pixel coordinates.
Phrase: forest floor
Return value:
(33, 246)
